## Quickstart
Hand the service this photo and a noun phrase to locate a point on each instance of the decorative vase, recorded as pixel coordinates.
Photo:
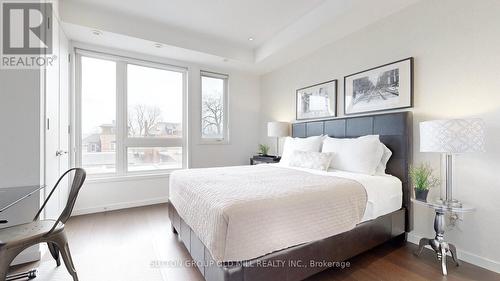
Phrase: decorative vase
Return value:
(421, 194)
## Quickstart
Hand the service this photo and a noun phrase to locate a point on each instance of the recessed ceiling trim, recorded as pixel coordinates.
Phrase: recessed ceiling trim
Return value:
(329, 21)
(100, 19)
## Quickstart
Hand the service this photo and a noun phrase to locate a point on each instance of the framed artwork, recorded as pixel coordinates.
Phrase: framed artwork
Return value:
(385, 87)
(317, 101)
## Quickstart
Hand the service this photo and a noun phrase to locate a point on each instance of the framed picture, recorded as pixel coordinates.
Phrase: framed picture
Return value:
(385, 87)
(317, 101)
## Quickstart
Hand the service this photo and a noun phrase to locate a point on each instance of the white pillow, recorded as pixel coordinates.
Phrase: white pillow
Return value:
(301, 144)
(382, 166)
(311, 160)
(359, 155)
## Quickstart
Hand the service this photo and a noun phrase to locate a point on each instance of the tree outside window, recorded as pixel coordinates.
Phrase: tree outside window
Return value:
(213, 107)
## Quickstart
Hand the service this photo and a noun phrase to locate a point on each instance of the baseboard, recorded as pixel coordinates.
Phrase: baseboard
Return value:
(119, 206)
(465, 256)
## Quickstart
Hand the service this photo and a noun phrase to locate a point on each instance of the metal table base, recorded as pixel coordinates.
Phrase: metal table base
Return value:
(438, 244)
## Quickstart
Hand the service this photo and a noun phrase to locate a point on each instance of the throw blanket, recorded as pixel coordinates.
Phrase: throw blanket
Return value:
(244, 212)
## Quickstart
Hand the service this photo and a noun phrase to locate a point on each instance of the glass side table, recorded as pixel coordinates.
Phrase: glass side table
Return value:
(438, 244)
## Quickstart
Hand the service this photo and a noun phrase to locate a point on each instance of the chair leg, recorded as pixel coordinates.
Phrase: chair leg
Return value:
(54, 251)
(68, 261)
(4, 267)
(172, 228)
(6, 258)
(62, 243)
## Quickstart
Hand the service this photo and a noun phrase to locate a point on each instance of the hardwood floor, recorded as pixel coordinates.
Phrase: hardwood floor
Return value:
(135, 244)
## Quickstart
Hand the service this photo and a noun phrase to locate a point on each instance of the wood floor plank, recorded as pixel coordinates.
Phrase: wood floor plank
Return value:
(137, 244)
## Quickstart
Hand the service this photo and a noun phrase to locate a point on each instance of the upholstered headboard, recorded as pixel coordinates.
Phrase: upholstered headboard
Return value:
(394, 130)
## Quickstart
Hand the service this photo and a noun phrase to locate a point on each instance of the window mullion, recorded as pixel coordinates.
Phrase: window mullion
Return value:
(226, 109)
(153, 142)
(121, 117)
(78, 112)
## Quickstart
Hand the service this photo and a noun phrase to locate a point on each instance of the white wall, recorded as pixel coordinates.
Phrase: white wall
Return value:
(20, 152)
(244, 104)
(457, 74)
(20, 123)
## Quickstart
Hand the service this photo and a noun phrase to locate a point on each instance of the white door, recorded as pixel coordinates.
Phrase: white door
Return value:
(64, 116)
(52, 127)
(57, 122)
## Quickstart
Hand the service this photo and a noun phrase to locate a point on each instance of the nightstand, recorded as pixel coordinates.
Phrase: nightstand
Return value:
(438, 244)
(257, 159)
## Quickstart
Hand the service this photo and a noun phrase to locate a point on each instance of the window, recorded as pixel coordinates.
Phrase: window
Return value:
(154, 98)
(130, 115)
(98, 104)
(214, 117)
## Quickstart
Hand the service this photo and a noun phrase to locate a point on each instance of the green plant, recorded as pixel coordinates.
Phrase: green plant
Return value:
(422, 177)
(263, 149)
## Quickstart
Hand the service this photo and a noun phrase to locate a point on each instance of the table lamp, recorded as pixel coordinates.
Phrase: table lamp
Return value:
(278, 130)
(451, 137)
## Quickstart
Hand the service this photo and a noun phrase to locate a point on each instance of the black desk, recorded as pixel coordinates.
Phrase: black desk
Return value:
(25, 192)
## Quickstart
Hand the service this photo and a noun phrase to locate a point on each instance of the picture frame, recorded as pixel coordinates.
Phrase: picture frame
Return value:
(381, 88)
(316, 101)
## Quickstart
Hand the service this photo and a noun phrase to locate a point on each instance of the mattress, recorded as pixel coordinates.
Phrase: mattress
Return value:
(241, 213)
(385, 192)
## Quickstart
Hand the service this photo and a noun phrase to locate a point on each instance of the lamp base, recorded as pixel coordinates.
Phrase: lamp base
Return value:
(448, 197)
(277, 146)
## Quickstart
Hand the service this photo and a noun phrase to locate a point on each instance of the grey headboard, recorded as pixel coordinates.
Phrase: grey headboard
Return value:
(395, 131)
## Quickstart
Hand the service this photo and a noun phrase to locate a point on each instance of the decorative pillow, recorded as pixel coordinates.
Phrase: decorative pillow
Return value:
(382, 166)
(300, 144)
(311, 160)
(359, 155)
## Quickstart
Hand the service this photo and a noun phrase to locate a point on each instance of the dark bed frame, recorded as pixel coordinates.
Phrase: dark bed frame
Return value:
(293, 264)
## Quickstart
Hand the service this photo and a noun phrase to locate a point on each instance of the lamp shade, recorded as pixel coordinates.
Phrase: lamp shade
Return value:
(278, 129)
(452, 136)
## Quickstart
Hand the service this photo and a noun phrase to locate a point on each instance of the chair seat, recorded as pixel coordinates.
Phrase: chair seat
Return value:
(27, 232)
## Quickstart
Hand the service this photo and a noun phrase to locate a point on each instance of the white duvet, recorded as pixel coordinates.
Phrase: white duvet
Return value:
(244, 212)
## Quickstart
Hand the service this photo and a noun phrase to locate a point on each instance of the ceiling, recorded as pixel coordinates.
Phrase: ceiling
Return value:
(232, 20)
(216, 32)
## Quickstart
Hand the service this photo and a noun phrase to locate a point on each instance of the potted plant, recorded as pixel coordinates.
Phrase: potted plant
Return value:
(263, 149)
(422, 180)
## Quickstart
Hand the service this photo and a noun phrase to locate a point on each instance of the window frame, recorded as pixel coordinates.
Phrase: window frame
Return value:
(123, 140)
(225, 138)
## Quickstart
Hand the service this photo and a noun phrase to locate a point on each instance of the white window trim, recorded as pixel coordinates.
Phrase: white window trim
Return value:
(122, 140)
(225, 139)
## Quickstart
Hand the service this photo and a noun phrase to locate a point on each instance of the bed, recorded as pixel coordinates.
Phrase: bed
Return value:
(277, 237)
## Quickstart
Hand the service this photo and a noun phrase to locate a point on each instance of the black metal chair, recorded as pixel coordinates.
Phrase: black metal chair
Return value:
(13, 240)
